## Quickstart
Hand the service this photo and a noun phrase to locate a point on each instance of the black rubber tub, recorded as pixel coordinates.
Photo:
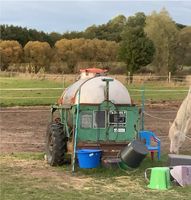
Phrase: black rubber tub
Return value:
(133, 154)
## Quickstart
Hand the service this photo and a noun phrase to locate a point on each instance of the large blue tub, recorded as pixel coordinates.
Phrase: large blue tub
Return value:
(89, 158)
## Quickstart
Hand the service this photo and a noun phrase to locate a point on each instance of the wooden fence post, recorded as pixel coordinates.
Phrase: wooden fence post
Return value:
(169, 77)
(129, 78)
(63, 80)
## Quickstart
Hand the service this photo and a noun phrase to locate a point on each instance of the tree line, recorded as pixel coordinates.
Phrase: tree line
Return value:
(154, 42)
(63, 57)
(111, 31)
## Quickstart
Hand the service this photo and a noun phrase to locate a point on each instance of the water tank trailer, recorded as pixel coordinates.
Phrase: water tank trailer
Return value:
(99, 110)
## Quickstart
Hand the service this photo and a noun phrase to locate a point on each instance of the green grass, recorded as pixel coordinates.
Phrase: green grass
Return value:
(27, 176)
(48, 97)
(16, 82)
(173, 92)
(28, 97)
(25, 156)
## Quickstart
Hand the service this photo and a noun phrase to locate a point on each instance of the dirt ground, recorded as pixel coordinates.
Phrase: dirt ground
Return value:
(23, 129)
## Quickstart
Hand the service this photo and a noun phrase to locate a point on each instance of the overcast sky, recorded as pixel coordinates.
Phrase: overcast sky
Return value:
(62, 16)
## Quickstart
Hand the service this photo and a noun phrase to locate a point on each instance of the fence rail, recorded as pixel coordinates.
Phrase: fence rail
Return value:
(135, 90)
(69, 78)
(148, 92)
(29, 89)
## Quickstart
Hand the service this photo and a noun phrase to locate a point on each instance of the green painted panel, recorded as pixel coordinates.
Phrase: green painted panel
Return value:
(112, 131)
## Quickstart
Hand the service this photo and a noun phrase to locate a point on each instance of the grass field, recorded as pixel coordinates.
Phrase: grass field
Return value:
(29, 97)
(27, 176)
(39, 95)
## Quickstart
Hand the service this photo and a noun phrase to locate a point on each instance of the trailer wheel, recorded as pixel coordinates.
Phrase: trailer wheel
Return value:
(56, 144)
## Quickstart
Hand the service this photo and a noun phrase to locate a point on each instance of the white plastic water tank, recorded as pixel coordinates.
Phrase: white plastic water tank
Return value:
(93, 92)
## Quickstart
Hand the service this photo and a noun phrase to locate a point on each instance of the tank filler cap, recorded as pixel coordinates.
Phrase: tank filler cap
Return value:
(106, 92)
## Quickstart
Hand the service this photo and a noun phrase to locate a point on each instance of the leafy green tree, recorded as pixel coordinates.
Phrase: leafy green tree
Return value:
(109, 31)
(180, 26)
(164, 33)
(91, 32)
(115, 28)
(183, 53)
(11, 53)
(54, 37)
(136, 49)
(72, 35)
(23, 35)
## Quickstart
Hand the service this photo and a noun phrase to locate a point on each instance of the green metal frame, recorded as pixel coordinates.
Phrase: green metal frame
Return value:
(100, 134)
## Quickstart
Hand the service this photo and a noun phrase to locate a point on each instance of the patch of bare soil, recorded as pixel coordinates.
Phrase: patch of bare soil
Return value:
(23, 129)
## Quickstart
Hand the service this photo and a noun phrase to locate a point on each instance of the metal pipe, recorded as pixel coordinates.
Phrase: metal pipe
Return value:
(76, 130)
(143, 108)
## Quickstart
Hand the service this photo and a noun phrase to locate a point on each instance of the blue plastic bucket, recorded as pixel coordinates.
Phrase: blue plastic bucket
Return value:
(89, 158)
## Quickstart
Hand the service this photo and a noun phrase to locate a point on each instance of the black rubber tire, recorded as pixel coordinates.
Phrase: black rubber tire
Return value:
(56, 144)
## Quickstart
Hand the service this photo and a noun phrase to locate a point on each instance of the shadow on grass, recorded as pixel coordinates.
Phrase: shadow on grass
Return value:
(102, 172)
(96, 172)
